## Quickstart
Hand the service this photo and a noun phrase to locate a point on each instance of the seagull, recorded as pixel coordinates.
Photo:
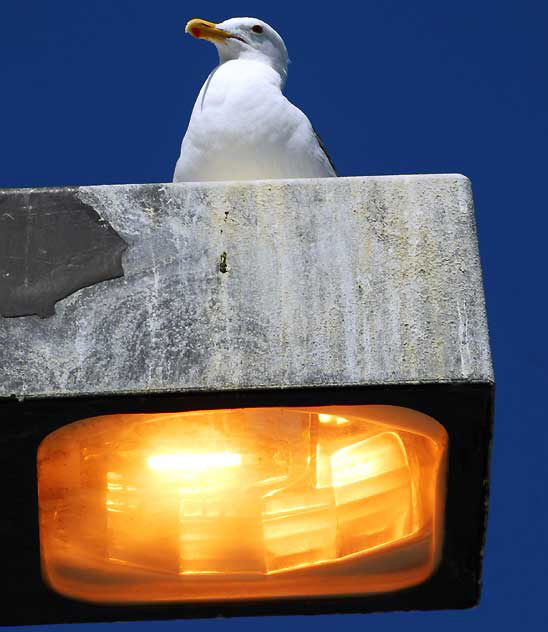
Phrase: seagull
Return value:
(242, 127)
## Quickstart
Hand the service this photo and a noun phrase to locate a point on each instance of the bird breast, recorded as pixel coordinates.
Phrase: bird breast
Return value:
(241, 104)
(243, 128)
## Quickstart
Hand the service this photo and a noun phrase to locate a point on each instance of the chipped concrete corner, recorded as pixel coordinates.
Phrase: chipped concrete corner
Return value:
(347, 281)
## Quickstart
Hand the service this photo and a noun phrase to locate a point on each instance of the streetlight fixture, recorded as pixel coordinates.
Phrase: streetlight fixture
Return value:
(242, 398)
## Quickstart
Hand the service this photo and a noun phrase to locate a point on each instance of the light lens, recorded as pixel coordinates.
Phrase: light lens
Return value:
(243, 503)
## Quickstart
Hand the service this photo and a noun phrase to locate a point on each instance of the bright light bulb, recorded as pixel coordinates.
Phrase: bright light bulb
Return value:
(241, 503)
(332, 419)
(194, 462)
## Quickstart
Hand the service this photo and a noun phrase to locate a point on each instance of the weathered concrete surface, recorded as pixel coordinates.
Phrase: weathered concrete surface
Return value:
(344, 281)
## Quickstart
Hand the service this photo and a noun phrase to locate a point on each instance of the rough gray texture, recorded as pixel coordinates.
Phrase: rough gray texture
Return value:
(346, 281)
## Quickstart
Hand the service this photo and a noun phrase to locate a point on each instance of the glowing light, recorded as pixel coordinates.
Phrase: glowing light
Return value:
(368, 458)
(332, 419)
(245, 499)
(194, 462)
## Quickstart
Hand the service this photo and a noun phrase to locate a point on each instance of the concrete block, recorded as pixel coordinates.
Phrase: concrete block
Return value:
(347, 281)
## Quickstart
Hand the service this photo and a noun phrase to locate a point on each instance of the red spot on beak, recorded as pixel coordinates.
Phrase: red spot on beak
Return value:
(196, 32)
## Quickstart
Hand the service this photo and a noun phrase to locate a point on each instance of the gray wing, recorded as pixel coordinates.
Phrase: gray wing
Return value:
(324, 149)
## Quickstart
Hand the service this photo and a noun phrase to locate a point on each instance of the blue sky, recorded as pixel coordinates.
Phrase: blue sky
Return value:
(99, 91)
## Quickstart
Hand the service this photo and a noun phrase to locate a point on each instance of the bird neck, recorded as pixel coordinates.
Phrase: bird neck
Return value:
(255, 57)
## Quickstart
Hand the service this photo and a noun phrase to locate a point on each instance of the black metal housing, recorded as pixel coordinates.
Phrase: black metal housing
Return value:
(464, 410)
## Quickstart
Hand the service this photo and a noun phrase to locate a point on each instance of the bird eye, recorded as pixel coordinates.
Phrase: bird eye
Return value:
(257, 28)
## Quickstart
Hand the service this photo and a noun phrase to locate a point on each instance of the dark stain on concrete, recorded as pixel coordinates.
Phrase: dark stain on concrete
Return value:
(51, 245)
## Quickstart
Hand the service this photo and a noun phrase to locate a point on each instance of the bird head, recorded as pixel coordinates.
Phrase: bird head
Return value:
(243, 38)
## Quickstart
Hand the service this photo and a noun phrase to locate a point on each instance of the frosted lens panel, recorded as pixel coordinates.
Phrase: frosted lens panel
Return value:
(243, 503)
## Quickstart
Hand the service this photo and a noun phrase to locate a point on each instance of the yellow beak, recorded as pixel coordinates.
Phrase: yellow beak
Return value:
(201, 29)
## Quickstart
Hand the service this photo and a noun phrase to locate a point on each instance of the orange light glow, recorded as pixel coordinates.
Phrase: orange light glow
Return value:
(242, 503)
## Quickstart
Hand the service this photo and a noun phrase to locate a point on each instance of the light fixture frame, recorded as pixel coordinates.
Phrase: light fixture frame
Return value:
(409, 243)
